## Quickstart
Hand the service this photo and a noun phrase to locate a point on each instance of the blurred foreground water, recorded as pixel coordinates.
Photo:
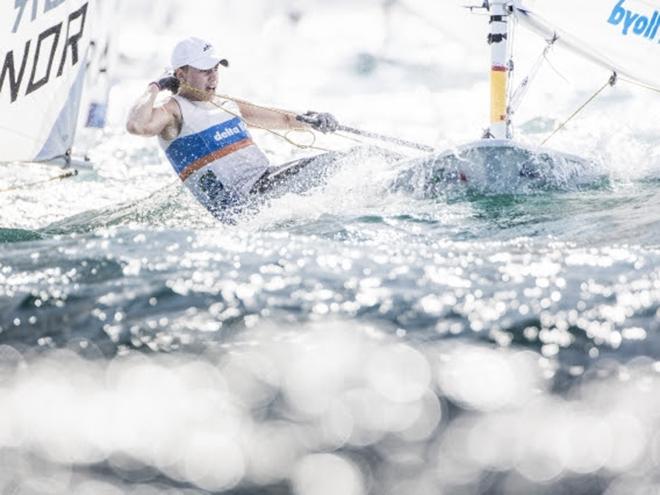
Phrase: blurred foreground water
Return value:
(324, 408)
(366, 354)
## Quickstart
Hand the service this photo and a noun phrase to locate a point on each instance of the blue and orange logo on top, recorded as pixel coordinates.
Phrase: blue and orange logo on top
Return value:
(634, 23)
(190, 153)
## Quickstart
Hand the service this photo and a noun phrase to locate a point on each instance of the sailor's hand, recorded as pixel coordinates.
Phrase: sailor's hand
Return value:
(324, 122)
(169, 83)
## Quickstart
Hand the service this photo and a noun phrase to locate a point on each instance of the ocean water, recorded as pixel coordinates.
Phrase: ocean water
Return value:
(358, 338)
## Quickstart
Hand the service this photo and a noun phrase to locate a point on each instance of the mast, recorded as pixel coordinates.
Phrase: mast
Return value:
(499, 70)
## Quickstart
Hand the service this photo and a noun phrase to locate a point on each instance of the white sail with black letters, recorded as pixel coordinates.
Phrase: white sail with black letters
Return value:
(621, 35)
(43, 51)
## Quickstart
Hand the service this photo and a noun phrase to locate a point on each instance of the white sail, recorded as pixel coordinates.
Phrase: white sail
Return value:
(43, 51)
(622, 35)
(102, 60)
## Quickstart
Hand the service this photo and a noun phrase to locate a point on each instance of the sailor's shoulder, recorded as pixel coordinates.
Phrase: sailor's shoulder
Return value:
(172, 106)
(175, 119)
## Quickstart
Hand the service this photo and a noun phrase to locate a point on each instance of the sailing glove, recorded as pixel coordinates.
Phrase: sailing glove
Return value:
(169, 83)
(324, 122)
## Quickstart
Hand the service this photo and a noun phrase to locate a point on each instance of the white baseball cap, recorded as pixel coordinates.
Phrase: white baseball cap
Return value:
(197, 53)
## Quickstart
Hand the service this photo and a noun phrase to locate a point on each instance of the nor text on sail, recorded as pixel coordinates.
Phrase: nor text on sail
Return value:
(45, 56)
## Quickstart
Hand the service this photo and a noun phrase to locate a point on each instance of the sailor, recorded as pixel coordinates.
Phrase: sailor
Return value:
(205, 138)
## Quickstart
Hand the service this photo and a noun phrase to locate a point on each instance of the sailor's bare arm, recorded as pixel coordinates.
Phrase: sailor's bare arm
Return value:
(269, 118)
(145, 119)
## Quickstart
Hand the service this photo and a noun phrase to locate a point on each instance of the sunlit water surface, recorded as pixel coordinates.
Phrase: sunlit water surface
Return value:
(356, 339)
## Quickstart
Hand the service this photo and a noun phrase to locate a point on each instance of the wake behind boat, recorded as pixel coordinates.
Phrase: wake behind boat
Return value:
(301, 177)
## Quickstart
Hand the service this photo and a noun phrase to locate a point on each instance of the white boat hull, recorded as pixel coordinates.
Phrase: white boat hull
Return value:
(493, 166)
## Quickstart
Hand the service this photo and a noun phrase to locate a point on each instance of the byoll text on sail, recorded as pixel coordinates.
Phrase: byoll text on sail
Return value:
(633, 22)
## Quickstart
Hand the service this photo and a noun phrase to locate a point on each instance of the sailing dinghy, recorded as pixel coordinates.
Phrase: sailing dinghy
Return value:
(622, 36)
(46, 48)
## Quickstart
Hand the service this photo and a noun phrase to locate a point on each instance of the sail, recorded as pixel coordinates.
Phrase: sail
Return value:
(43, 53)
(621, 35)
(102, 60)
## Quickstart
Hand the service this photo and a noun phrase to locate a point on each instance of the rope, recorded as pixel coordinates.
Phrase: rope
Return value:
(611, 82)
(349, 138)
(288, 114)
(284, 136)
(511, 67)
(68, 173)
(521, 91)
(337, 133)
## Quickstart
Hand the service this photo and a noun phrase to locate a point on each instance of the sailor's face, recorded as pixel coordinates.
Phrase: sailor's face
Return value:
(203, 82)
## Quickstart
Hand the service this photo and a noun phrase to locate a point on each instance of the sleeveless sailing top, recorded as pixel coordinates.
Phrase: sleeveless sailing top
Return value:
(214, 154)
